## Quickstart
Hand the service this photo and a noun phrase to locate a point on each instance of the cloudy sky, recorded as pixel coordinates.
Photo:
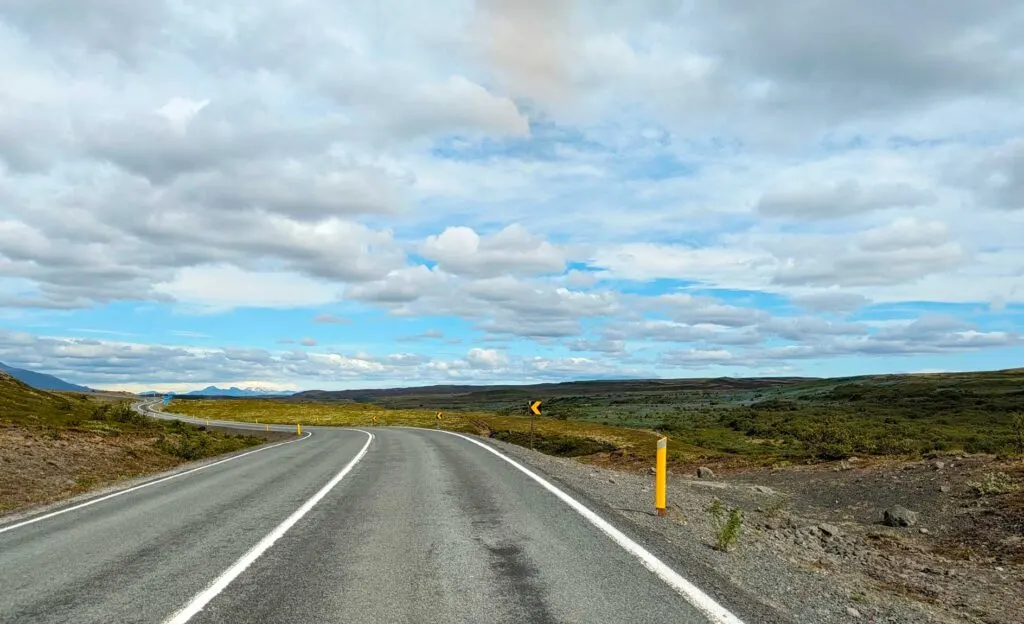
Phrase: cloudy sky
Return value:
(322, 194)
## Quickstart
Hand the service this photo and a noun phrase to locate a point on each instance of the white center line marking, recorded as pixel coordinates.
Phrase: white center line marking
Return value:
(204, 597)
(144, 485)
(715, 612)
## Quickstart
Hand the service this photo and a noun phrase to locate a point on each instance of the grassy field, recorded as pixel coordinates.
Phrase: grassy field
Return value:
(760, 421)
(556, 437)
(54, 445)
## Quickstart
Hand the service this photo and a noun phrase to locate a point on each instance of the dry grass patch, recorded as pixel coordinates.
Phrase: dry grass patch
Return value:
(624, 443)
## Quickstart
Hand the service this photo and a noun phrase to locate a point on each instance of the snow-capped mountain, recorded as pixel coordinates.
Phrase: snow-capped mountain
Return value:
(238, 392)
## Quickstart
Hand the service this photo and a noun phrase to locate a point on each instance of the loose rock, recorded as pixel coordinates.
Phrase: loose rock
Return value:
(899, 516)
(651, 470)
(939, 465)
(830, 530)
(944, 489)
(850, 611)
(705, 473)
(762, 489)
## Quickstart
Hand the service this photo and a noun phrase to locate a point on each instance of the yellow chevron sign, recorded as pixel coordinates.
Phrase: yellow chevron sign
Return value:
(535, 407)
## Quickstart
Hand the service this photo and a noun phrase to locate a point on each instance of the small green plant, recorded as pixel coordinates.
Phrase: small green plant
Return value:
(729, 533)
(716, 509)
(994, 483)
(728, 521)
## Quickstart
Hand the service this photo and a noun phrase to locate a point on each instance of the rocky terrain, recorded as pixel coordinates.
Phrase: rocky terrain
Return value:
(814, 540)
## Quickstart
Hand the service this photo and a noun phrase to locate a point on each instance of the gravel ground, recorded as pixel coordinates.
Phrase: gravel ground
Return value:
(792, 558)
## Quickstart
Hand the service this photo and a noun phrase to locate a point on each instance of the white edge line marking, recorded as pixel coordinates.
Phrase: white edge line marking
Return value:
(200, 600)
(701, 601)
(143, 485)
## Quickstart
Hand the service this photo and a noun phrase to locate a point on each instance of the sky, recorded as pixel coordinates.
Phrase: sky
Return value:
(375, 193)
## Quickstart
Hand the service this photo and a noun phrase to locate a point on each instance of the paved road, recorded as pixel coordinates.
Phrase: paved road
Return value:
(425, 527)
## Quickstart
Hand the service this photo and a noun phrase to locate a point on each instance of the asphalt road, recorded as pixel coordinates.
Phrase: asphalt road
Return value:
(423, 527)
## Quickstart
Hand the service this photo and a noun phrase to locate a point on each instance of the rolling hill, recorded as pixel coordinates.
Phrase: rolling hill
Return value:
(42, 381)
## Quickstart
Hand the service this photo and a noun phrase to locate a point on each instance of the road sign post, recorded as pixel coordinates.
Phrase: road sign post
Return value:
(534, 411)
(660, 476)
(298, 428)
(440, 415)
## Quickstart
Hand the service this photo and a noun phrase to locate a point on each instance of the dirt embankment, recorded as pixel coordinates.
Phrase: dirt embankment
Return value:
(39, 466)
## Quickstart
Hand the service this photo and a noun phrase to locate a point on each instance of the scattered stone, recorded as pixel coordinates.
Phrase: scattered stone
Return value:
(944, 489)
(705, 473)
(939, 465)
(850, 611)
(830, 530)
(762, 489)
(923, 531)
(611, 480)
(651, 470)
(898, 516)
(853, 460)
(1000, 569)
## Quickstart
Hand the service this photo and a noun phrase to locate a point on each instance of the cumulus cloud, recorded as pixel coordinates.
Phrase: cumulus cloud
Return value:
(217, 288)
(902, 251)
(513, 250)
(486, 358)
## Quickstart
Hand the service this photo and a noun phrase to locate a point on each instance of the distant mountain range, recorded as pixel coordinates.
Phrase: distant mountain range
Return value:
(41, 381)
(230, 392)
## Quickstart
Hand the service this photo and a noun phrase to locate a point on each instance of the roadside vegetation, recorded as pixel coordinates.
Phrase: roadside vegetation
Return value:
(555, 437)
(738, 421)
(54, 445)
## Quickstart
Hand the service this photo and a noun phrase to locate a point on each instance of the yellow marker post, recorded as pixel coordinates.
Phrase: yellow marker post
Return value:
(440, 415)
(660, 476)
(298, 428)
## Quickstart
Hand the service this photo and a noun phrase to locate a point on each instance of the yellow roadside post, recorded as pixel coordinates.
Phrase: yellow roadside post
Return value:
(298, 428)
(440, 415)
(374, 419)
(660, 477)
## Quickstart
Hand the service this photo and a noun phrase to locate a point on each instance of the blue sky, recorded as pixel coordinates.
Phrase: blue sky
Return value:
(508, 191)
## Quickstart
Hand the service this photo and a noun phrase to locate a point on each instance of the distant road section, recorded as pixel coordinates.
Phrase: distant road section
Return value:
(413, 526)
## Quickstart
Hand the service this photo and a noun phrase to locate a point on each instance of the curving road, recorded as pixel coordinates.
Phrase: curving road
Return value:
(387, 525)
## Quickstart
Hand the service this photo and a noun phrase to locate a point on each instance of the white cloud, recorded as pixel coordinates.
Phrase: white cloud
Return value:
(218, 288)
(180, 111)
(461, 251)
(486, 358)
